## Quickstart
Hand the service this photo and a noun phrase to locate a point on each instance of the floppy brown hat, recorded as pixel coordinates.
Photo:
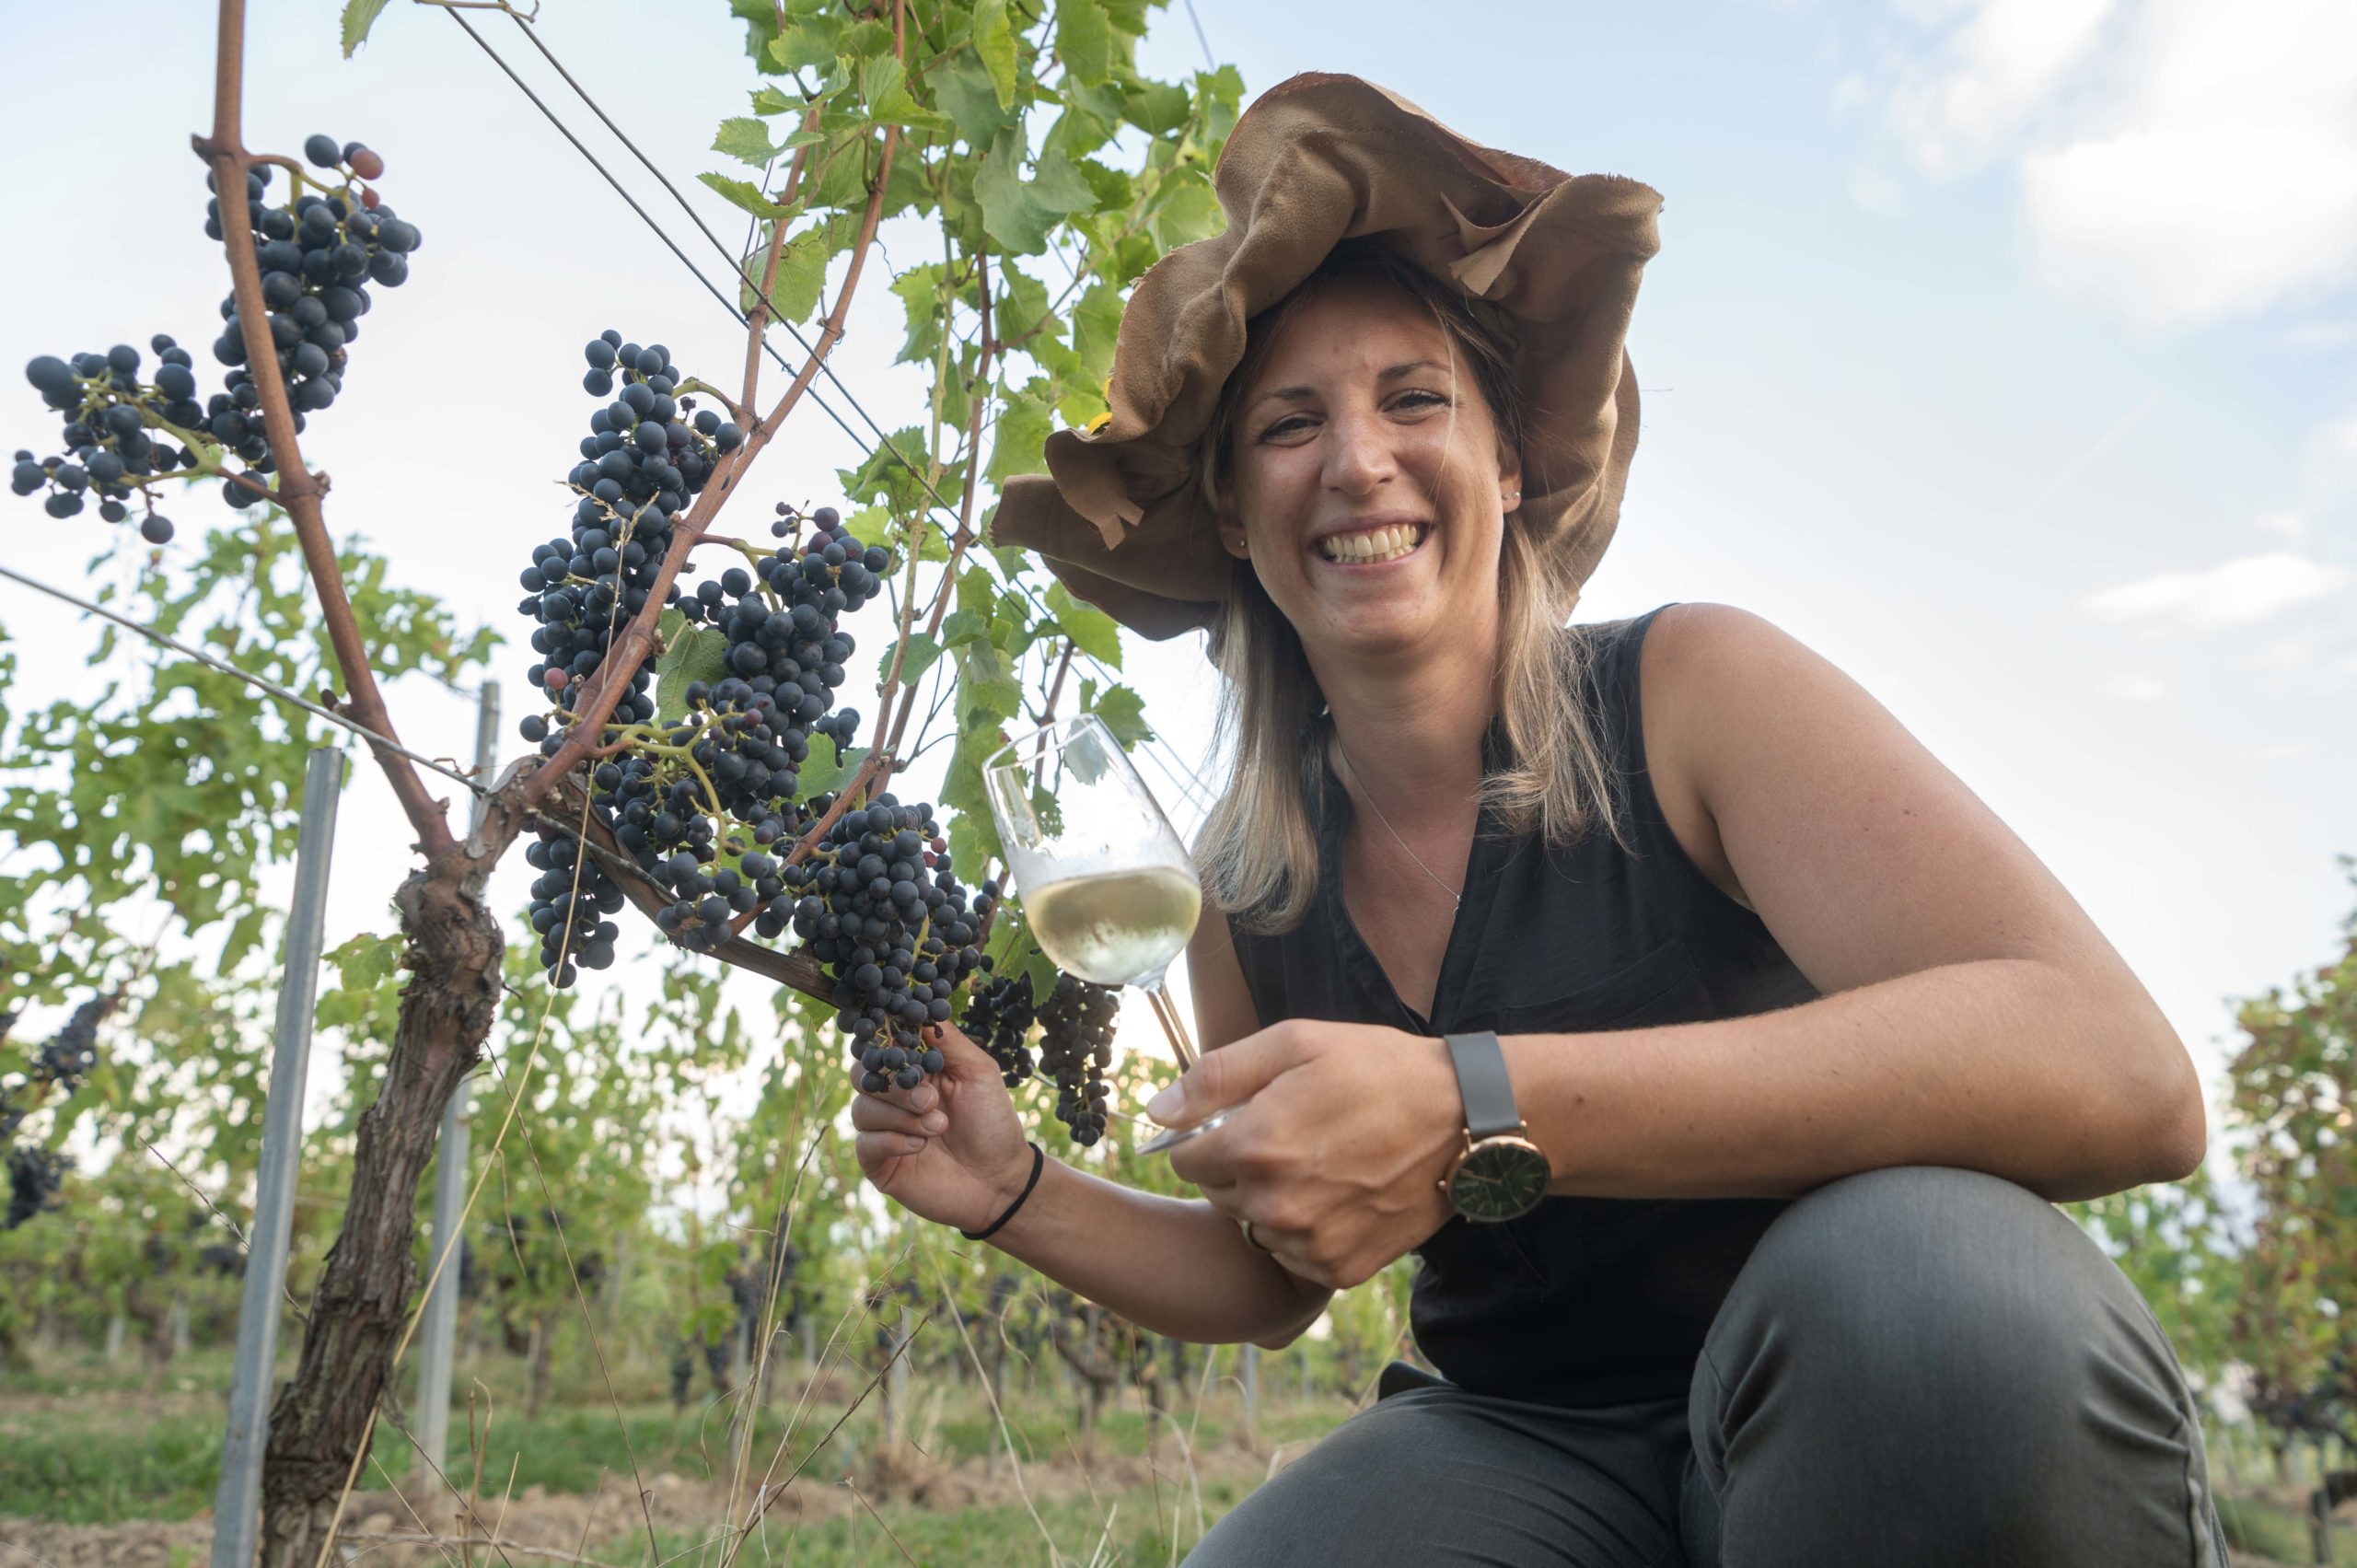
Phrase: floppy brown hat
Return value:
(1319, 157)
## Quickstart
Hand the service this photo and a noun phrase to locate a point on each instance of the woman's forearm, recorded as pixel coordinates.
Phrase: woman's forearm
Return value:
(1171, 1265)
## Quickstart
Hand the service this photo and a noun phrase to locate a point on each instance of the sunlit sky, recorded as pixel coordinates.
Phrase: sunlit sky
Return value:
(2005, 351)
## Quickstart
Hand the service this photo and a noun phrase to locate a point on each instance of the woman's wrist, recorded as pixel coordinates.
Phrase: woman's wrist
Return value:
(1014, 1191)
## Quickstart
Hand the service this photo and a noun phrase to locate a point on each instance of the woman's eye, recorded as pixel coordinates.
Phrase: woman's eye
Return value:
(1405, 399)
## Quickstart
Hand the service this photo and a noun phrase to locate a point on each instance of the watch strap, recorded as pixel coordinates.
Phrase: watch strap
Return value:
(1481, 1082)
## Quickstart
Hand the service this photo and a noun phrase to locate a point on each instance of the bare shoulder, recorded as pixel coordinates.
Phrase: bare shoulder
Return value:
(1683, 643)
(1224, 1010)
(1864, 855)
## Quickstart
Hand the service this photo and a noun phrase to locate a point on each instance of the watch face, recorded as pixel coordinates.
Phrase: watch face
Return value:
(1499, 1179)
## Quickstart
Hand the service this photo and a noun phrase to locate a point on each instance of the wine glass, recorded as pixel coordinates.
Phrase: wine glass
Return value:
(1109, 891)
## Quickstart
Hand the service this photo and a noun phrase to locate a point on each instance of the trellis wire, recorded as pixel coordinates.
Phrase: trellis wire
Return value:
(271, 687)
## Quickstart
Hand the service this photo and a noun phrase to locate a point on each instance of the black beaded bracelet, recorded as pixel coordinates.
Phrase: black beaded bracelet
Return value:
(1039, 1162)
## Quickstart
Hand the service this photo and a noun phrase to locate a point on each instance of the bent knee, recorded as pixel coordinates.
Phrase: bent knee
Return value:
(1894, 1272)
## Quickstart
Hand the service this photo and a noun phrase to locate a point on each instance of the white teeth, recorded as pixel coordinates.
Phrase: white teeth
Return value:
(1386, 543)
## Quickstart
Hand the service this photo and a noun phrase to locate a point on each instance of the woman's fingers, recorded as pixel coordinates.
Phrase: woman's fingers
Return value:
(871, 1113)
(876, 1147)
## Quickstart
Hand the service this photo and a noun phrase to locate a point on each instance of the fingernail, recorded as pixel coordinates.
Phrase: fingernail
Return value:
(922, 1096)
(1167, 1104)
(934, 1122)
(916, 1145)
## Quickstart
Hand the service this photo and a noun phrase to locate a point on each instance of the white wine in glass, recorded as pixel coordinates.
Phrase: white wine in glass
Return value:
(1109, 890)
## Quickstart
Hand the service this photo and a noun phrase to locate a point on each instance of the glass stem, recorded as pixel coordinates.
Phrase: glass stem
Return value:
(1173, 1027)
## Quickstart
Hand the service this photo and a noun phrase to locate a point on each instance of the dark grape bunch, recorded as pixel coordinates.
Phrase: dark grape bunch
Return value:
(35, 1174)
(999, 1015)
(108, 411)
(1075, 1048)
(882, 908)
(318, 254)
(1075, 1041)
(123, 434)
(60, 1067)
(647, 454)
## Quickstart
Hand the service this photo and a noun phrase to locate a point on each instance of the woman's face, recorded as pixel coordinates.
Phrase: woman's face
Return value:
(1368, 489)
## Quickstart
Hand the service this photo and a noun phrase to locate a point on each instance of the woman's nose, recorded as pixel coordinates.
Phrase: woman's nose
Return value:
(1359, 454)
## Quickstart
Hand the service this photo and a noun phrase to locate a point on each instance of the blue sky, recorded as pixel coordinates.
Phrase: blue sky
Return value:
(2003, 350)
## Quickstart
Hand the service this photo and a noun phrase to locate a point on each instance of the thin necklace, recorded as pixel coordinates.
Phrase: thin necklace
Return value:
(1388, 828)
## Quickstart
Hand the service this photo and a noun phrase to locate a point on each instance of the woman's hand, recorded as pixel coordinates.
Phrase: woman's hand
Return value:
(950, 1150)
(1337, 1158)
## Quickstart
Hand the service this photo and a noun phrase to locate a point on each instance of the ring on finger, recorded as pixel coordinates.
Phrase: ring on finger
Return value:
(1253, 1238)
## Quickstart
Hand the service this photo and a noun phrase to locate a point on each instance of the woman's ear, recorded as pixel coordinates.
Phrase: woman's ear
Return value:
(1509, 478)
(1231, 534)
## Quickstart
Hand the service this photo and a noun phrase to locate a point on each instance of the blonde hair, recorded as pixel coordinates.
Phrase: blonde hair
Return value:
(1258, 854)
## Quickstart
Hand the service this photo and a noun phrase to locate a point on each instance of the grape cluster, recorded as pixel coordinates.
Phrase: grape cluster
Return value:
(34, 1176)
(570, 899)
(66, 1060)
(108, 411)
(1075, 1047)
(318, 254)
(1075, 1041)
(883, 911)
(999, 1015)
(646, 453)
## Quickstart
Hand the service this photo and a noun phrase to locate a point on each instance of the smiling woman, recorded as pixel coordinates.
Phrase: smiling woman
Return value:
(1716, 1052)
(1379, 339)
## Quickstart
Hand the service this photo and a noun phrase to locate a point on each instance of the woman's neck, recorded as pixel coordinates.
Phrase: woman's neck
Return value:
(1414, 727)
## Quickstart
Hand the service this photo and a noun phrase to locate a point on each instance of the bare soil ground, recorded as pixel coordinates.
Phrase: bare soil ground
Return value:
(390, 1531)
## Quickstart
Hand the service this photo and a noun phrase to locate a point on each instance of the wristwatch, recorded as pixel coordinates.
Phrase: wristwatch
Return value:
(1501, 1174)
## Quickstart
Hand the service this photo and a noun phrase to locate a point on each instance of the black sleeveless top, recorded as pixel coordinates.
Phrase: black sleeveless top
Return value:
(1583, 1301)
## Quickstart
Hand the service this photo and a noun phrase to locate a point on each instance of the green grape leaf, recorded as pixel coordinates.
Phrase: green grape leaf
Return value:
(1019, 440)
(1043, 970)
(995, 46)
(769, 100)
(359, 16)
(822, 771)
(1019, 212)
(1092, 631)
(883, 87)
(1124, 712)
(965, 626)
(922, 651)
(987, 688)
(746, 194)
(962, 86)
(1085, 41)
(802, 270)
(700, 653)
(745, 139)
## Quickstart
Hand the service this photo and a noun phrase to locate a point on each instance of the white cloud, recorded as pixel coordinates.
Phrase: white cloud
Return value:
(2003, 63)
(2290, 526)
(2135, 689)
(2181, 161)
(2234, 593)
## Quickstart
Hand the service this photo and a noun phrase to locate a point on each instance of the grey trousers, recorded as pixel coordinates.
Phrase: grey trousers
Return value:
(1917, 1367)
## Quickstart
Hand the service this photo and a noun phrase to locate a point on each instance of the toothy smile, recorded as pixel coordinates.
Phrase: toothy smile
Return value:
(1371, 546)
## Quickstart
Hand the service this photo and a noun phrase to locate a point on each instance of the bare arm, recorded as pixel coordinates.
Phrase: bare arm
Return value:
(1174, 1266)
